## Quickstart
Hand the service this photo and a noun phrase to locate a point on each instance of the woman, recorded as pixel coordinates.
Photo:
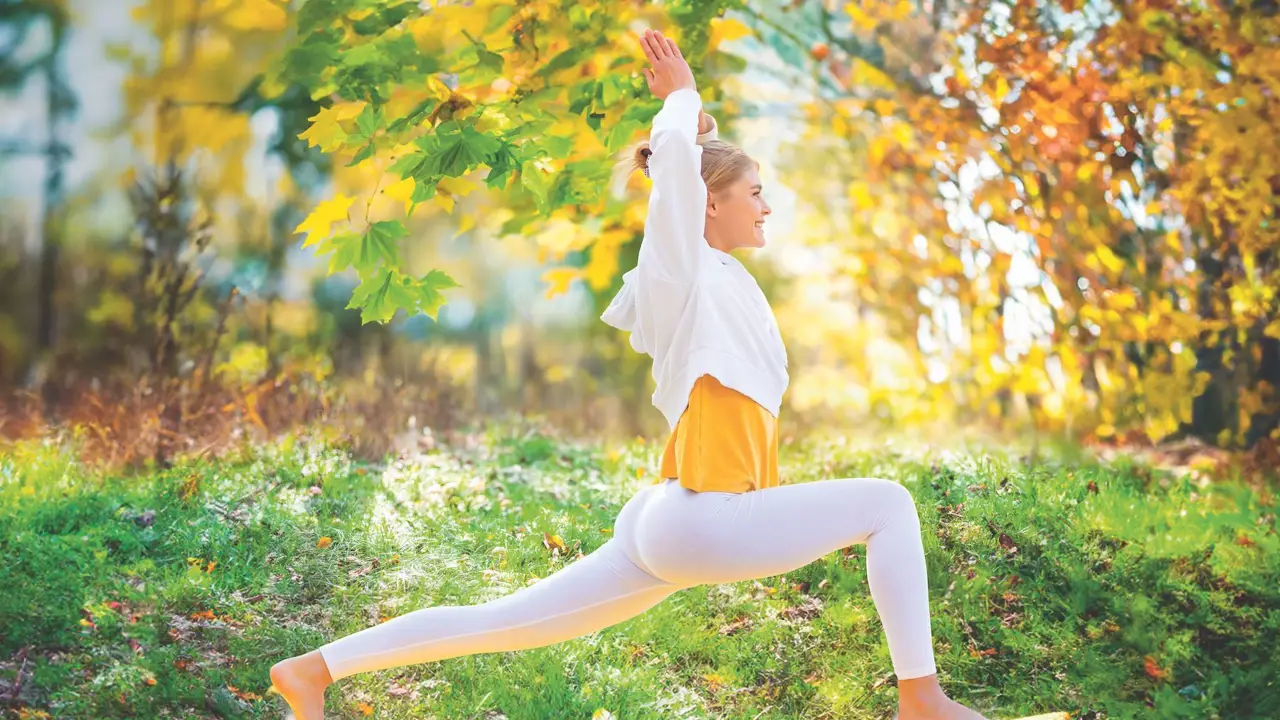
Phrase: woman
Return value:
(718, 514)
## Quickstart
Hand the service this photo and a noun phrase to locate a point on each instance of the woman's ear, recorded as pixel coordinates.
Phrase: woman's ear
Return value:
(711, 204)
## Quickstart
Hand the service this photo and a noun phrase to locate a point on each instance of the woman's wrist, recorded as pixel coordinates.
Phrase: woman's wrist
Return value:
(704, 122)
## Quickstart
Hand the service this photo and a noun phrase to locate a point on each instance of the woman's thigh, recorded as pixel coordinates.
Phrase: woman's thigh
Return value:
(690, 538)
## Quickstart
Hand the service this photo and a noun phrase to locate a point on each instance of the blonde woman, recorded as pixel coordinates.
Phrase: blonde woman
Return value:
(717, 514)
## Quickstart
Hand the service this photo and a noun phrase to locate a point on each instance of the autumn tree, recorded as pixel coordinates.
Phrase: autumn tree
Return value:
(1052, 202)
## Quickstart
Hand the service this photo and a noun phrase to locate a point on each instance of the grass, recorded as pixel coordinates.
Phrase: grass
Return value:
(1108, 591)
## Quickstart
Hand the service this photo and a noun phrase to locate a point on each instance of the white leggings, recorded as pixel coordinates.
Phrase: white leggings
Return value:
(667, 538)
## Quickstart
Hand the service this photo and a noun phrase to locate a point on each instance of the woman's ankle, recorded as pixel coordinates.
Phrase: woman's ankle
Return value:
(921, 694)
(319, 668)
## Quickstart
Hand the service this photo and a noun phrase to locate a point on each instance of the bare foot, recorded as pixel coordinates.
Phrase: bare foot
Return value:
(301, 682)
(942, 709)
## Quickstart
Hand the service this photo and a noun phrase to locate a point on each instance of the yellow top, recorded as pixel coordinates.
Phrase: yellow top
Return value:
(723, 442)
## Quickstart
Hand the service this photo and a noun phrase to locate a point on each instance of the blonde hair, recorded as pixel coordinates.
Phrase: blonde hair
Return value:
(722, 162)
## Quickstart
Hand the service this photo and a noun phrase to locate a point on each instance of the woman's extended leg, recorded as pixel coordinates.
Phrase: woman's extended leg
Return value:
(589, 594)
(699, 538)
(601, 589)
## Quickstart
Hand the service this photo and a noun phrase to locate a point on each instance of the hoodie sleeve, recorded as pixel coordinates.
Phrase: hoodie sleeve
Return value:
(673, 229)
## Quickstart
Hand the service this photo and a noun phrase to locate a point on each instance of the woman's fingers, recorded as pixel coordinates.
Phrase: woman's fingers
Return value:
(660, 45)
(644, 45)
(649, 50)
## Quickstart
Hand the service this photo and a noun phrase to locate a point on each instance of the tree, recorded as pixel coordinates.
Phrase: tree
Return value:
(532, 97)
(60, 104)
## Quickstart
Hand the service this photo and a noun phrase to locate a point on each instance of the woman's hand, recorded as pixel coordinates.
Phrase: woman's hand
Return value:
(704, 122)
(670, 72)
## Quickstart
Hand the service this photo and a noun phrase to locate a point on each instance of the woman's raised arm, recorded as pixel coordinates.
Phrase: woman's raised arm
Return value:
(673, 241)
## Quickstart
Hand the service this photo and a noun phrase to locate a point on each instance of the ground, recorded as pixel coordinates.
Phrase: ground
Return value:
(1058, 584)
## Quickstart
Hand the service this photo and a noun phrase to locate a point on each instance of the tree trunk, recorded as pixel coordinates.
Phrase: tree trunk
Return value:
(59, 104)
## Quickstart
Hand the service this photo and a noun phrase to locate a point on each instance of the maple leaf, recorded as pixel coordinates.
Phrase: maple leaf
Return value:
(559, 279)
(320, 222)
(325, 132)
(723, 29)
(402, 191)
(379, 242)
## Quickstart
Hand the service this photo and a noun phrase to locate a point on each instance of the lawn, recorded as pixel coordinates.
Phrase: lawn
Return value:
(1105, 590)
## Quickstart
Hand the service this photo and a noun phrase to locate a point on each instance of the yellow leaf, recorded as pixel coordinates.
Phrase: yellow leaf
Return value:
(402, 191)
(723, 29)
(1273, 329)
(348, 110)
(212, 128)
(458, 186)
(466, 223)
(256, 16)
(868, 75)
(862, 20)
(320, 222)
(550, 541)
(1001, 89)
(604, 264)
(325, 132)
(559, 279)
(1123, 300)
(1109, 260)
(860, 195)
(441, 32)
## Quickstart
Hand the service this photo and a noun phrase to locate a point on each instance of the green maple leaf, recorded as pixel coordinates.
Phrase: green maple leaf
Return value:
(459, 151)
(375, 296)
(345, 248)
(381, 293)
(367, 122)
(427, 292)
(379, 243)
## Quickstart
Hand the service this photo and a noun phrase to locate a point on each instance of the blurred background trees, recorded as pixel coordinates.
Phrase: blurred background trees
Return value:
(224, 217)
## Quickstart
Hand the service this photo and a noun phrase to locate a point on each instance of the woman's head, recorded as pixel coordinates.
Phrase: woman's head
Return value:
(735, 204)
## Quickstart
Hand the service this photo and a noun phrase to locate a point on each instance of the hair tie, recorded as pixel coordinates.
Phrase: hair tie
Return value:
(646, 153)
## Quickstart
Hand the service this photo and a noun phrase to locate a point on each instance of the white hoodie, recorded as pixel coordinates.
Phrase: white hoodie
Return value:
(696, 310)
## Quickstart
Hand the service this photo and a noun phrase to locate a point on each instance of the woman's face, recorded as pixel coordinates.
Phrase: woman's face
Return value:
(735, 215)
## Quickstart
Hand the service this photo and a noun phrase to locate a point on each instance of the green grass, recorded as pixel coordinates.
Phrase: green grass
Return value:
(121, 617)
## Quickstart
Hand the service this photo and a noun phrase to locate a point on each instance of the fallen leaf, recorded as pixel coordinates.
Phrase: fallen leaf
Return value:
(735, 626)
(1154, 671)
(552, 541)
